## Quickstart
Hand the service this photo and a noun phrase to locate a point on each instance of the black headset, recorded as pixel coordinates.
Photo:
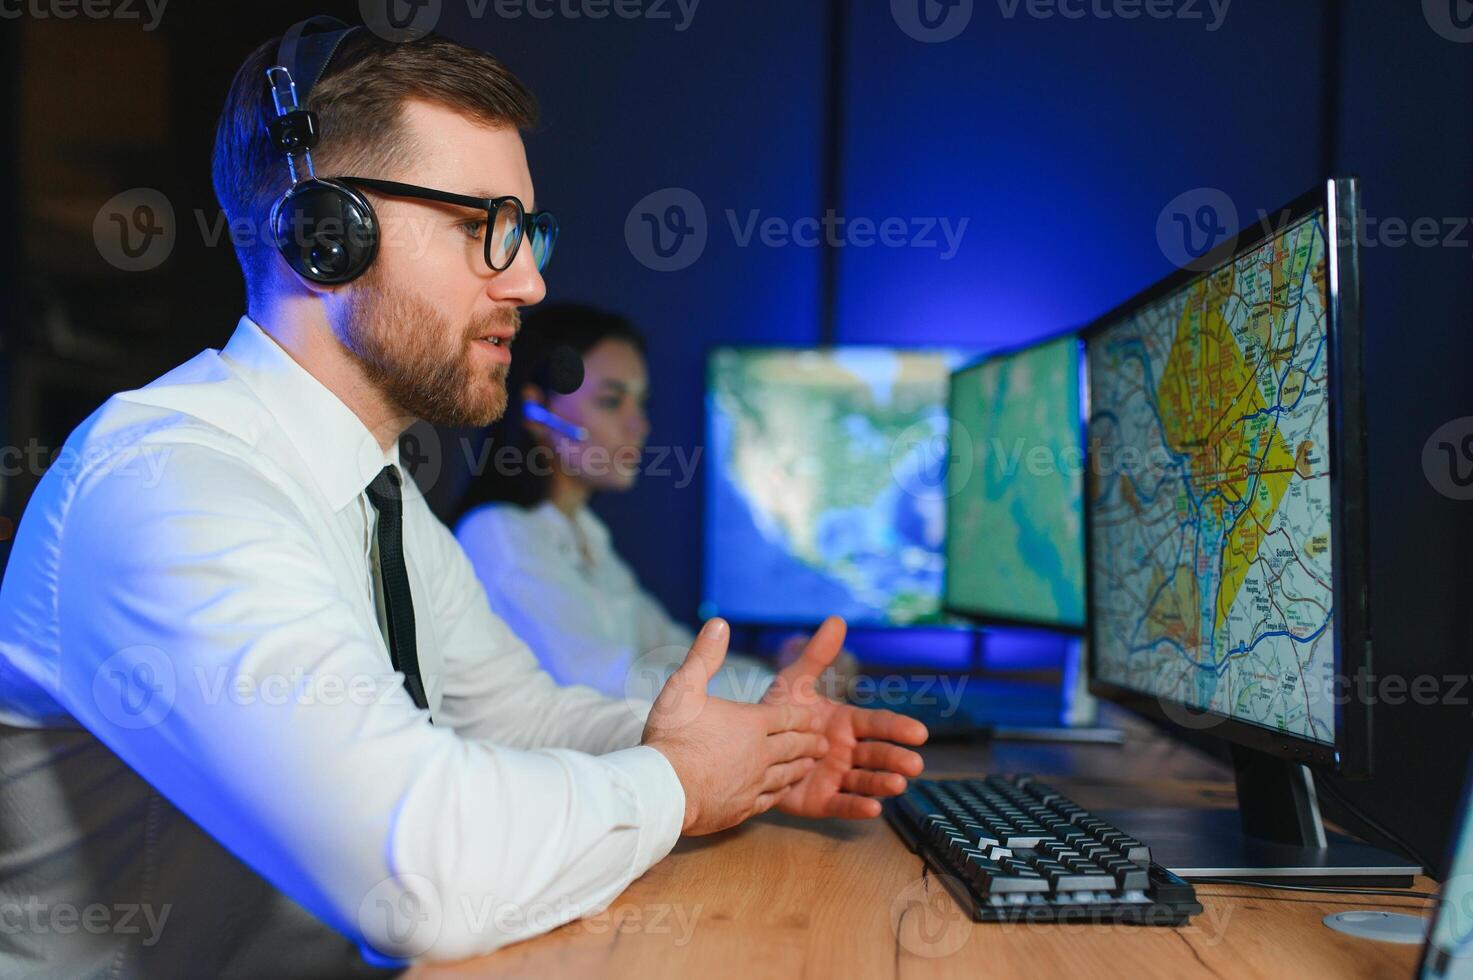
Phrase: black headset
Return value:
(324, 229)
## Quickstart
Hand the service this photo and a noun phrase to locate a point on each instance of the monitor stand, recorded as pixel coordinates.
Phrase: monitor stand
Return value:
(1275, 834)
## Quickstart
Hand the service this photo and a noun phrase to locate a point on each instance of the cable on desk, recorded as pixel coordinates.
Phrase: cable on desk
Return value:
(1329, 788)
(1379, 892)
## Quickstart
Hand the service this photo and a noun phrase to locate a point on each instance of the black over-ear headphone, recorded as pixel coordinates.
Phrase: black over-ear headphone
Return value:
(325, 230)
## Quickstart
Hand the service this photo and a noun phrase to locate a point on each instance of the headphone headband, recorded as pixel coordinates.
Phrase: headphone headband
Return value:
(307, 56)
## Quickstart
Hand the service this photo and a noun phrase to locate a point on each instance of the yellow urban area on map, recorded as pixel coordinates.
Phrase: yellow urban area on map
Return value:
(1214, 413)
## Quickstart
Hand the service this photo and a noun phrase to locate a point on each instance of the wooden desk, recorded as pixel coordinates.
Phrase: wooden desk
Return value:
(780, 897)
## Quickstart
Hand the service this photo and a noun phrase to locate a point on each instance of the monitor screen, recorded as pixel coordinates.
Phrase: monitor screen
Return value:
(1209, 503)
(1015, 532)
(1449, 951)
(825, 483)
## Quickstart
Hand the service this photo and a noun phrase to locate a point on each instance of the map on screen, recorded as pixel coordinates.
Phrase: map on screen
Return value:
(1015, 528)
(825, 484)
(1209, 491)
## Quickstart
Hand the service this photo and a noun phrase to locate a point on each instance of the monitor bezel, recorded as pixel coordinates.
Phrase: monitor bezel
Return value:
(707, 608)
(1349, 755)
(982, 617)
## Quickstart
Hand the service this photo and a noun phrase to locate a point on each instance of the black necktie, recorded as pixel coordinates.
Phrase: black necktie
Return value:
(384, 493)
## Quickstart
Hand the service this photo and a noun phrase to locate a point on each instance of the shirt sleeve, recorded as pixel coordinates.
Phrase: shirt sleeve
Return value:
(495, 687)
(207, 641)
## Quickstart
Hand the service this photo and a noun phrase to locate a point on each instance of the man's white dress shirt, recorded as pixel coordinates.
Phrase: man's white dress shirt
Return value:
(191, 600)
(561, 587)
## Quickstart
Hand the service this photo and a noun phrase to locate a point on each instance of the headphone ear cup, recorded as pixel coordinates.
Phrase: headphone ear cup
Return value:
(326, 231)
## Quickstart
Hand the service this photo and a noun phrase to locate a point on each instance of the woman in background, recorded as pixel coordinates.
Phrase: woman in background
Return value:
(544, 558)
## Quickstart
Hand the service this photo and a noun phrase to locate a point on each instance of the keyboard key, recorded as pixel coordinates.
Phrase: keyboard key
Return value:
(978, 867)
(1014, 884)
(1136, 852)
(1133, 879)
(1071, 881)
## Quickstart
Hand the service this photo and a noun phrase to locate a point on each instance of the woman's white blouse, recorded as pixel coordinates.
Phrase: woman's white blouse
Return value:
(589, 622)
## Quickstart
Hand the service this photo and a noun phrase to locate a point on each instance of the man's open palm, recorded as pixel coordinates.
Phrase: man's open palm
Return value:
(863, 762)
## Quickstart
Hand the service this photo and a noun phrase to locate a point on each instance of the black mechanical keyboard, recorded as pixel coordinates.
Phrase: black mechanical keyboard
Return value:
(1011, 849)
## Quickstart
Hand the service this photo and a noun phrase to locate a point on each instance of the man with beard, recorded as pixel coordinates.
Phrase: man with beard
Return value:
(257, 715)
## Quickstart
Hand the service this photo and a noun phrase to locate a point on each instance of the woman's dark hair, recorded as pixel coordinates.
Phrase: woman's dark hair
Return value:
(512, 472)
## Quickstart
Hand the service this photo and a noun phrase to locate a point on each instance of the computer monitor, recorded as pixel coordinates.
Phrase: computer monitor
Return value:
(1226, 530)
(1448, 954)
(825, 482)
(1014, 489)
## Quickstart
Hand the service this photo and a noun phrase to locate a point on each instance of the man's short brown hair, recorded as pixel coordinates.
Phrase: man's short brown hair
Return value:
(359, 102)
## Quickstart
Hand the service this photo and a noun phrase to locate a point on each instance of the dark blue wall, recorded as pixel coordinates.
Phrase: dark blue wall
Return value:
(1060, 141)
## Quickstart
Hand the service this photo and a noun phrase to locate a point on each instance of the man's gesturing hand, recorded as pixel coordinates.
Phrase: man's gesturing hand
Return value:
(733, 760)
(861, 763)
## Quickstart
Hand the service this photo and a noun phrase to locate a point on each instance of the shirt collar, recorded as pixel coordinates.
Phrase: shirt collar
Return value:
(337, 448)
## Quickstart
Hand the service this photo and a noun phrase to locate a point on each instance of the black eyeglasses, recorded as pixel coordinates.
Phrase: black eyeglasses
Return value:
(507, 221)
